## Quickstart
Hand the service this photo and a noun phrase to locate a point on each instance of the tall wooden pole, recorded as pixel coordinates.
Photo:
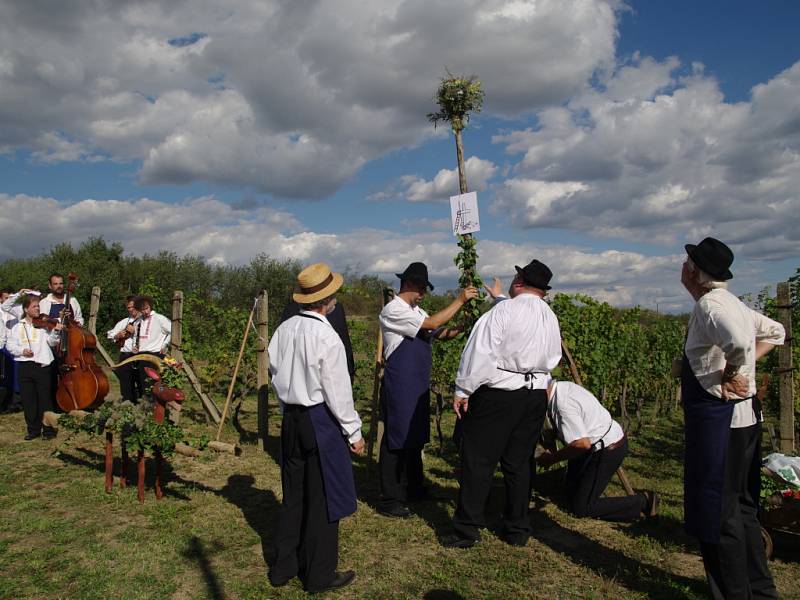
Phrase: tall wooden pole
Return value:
(375, 430)
(785, 370)
(235, 372)
(262, 366)
(94, 306)
(176, 337)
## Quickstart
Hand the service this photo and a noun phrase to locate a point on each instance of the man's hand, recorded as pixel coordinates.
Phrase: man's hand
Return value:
(27, 353)
(460, 405)
(736, 385)
(467, 294)
(496, 289)
(58, 326)
(357, 447)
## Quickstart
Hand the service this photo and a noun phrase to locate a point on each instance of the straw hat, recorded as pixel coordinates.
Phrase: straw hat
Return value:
(316, 282)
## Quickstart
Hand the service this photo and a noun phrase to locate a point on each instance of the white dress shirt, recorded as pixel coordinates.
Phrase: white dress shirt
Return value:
(517, 336)
(723, 329)
(308, 365)
(49, 300)
(153, 333)
(11, 313)
(127, 346)
(24, 336)
(576, 413)
(399, 320)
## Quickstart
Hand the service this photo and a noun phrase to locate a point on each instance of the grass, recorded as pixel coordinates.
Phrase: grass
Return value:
(62, 536)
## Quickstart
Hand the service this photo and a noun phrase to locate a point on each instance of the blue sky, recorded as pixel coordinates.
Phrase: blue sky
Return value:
(612, 134)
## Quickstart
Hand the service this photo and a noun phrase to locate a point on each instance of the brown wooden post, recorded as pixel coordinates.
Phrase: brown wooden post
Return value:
(94, 306)
(176, 338)
(375, 424)
(262, 366)
(109, 461)
(140, 481)
(785, 370)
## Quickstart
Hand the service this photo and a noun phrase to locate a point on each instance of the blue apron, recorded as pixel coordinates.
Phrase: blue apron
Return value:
(55, 309)
(707, 428)
(405, 394)
(334, 459)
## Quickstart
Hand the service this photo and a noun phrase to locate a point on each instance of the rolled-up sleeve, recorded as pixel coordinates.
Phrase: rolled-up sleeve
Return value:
(768, 331)
(478, 361)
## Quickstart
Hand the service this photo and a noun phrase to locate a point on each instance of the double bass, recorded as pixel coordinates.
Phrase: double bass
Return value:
(82, 384)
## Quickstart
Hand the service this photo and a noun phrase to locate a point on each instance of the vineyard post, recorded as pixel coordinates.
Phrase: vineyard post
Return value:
(262, 367)
(785, 369)
(94, 306)
(235, 372)
(375, 428)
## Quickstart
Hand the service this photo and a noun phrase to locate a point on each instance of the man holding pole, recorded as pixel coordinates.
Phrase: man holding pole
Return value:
(320, 428)
(501, 400)
(722, 422)
(405, 395)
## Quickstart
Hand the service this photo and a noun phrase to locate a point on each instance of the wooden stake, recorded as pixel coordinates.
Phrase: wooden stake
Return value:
(785, 370)
(235, 372)
(262, 365)
(374, 422)
(94, 306)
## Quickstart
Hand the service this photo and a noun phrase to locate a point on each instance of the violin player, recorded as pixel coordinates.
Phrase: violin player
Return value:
(123, 334)
(152, 333)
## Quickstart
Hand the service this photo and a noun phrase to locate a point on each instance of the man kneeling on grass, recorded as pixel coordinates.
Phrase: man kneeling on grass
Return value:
(595, 446)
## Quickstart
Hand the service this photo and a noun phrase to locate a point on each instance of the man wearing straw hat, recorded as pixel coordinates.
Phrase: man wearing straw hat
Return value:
(320, 428)
(722, 425)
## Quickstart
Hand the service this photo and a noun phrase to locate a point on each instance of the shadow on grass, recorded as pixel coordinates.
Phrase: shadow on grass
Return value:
(614, 565)
(442, 595)
(245, 436)
(197, 552)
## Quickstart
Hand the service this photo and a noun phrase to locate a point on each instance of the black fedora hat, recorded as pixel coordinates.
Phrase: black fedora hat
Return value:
(416, 272)
(535, 274)
(713, 257)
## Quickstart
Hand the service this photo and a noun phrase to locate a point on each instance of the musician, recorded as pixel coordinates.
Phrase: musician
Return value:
(320, 428)
(405, 394)
(595, 446)
(53, 304)
(10, 314)
(152, 333)
(31, 349)
(123, 334)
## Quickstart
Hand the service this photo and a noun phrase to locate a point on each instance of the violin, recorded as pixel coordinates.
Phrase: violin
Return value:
(82, 384)
(126, 335)
(45, 322)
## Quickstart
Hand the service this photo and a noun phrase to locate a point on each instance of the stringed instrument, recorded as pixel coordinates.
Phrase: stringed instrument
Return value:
(82, 383)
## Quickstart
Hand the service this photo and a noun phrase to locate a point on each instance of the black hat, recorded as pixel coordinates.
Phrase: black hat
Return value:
(535, 274)
(713, 257)
(416, 272)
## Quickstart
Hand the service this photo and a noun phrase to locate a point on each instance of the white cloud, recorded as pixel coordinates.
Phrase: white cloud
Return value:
(286, 98)
(445, 182)
(660, 157)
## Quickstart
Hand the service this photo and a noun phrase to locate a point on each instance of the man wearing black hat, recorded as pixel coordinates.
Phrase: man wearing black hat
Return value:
(501, 399)
(723, 425)
(405, 394)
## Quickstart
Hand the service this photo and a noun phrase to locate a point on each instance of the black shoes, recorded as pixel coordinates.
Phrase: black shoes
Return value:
(652, 500)
(275, 582)
(48, 433)
(456, 541)
(340, 579)
(31, 436)
(398, 511)
(514, 541)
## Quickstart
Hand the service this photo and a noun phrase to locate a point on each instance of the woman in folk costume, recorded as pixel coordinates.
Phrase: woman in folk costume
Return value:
(405, 394)
(31, 348)
(320, 428)
(723, 425)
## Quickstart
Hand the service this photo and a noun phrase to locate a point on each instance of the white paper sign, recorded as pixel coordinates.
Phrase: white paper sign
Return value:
(464, 213)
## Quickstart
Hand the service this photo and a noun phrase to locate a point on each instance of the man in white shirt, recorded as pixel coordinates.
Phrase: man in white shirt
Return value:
(722, 420)
(405, 391)
(123, 334)
(10, 313)
(54, 303)
(320, 428)
(595, 446)
(152, 333)
(501, 400)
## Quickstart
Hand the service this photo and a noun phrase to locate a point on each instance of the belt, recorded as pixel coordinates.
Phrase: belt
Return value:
(617, 444)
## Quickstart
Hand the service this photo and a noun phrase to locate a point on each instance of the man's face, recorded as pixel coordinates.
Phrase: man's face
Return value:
(146, 310)
(132, 310)
(56, 286)
(418, 291)
(4, 296)
(513, 288)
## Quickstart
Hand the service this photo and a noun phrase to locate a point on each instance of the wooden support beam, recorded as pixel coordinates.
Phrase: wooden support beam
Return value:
(262, 366)
(94, 306)
(786, 370)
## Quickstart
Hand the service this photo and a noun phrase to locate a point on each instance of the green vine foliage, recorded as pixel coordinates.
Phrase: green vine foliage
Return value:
(457, 97)
(133, 423)
(467, 262)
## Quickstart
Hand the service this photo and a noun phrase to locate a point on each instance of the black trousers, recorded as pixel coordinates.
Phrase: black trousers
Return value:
(737, 566)
(587, 478)
(500, 426)
(400, 473)
(128, 376)
(306, 543)
(141, 376)
(35, 383)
